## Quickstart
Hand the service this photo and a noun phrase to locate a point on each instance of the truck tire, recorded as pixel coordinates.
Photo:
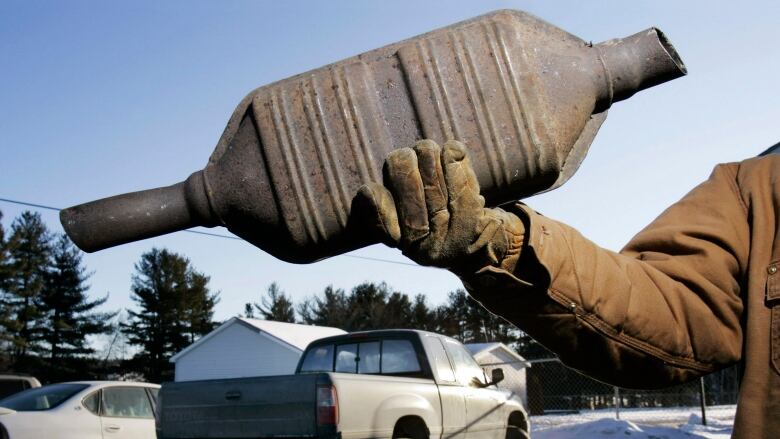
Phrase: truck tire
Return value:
(410, 427)
(517, 426)
(514, 432)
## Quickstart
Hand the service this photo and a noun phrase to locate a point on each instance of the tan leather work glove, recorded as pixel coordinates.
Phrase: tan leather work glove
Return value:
(430, 207)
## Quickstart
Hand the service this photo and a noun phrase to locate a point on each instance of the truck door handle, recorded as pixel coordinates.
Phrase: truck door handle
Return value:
(112, 428)
(233, 395)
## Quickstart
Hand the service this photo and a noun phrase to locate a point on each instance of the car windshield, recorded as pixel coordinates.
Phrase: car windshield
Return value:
(42, 398)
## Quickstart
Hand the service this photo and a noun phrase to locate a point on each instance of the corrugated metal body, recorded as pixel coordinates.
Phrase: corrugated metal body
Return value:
(526, 97)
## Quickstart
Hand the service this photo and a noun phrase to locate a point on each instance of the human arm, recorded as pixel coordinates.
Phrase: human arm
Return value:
(664, 310)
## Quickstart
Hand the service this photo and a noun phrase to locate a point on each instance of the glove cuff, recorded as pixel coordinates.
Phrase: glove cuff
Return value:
(515, 237)
(499, 244)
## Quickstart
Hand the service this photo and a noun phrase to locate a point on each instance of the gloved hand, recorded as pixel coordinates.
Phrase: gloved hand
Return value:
(430, 207)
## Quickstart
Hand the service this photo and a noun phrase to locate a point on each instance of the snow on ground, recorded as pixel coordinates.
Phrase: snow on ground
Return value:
(666, 423)
(611, 428)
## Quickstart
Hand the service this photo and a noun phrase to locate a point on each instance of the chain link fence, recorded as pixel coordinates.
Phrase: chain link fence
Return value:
(557, 395)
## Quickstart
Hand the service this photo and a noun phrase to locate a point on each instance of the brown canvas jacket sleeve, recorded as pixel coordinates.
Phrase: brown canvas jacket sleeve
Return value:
(665, 309)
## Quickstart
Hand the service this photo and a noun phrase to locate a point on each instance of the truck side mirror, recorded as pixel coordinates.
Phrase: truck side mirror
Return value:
(496, 375)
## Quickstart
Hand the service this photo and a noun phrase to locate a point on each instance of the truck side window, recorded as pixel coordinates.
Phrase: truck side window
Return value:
(368, 360)
(440, 361)
(399, 356)
(467, 370)
(346, 354)
(318, 359)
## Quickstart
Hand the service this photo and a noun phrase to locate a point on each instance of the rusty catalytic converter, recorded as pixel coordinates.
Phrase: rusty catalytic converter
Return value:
(526, 97)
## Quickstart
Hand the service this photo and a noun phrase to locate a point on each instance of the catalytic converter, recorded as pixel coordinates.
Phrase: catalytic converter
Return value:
(526, 97)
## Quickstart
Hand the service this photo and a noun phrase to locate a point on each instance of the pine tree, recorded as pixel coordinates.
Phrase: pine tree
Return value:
(397, 312)
(366, 306)
(467, 320)
(4, 258)
(198, 310)
(66, 312)
(452, 316)
(29, 249)
(5, 316)
(275, 305)
(531, 349)
(422, 317)
(330, 310)
(249, 310)
(175, 305)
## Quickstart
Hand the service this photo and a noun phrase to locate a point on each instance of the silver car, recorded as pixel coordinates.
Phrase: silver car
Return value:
(81, 410)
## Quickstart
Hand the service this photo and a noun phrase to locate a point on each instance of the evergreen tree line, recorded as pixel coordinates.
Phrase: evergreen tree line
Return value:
(46, 317)
(371, 306)
(51, 327)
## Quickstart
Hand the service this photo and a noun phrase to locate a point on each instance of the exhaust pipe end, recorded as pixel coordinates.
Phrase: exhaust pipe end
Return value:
(112, 221)
(637, 62)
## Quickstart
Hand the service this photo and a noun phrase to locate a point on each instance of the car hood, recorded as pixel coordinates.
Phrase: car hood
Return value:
(6, 411)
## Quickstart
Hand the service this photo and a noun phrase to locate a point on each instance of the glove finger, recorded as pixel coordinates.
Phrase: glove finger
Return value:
(461, 181)
(375, 210)
(432, 174)
(403, 178)
(427, 251)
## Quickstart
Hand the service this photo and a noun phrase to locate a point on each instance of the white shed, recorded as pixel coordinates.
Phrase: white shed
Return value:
(494, 355)
(244, 347)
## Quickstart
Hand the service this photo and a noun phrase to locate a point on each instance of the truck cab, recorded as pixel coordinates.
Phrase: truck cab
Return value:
(373, 384)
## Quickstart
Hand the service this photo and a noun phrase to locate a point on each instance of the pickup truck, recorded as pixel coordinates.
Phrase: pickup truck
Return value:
(373, 384)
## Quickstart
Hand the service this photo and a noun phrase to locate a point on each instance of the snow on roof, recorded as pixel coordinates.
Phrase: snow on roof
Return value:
(477, 349)
(291, 334)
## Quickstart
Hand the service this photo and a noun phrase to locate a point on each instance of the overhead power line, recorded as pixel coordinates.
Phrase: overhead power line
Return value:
(23, 203)
(217, 235)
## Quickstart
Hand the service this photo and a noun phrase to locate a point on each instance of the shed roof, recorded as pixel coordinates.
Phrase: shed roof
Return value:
(292, 335)
(479, 349)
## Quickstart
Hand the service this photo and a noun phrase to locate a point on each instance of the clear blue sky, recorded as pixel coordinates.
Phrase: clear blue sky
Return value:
(100, 98)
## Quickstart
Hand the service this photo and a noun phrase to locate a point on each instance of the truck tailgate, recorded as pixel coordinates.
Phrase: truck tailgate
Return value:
(277, 406)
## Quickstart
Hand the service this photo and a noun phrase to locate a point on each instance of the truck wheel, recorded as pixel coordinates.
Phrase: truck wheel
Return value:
(410, 427)
(514, 432)
(517, 426)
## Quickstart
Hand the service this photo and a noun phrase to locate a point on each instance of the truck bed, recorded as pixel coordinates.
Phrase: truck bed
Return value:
(261, 407)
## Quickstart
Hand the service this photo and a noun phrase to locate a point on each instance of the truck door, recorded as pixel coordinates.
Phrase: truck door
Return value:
(483, 411)
(452, 394)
